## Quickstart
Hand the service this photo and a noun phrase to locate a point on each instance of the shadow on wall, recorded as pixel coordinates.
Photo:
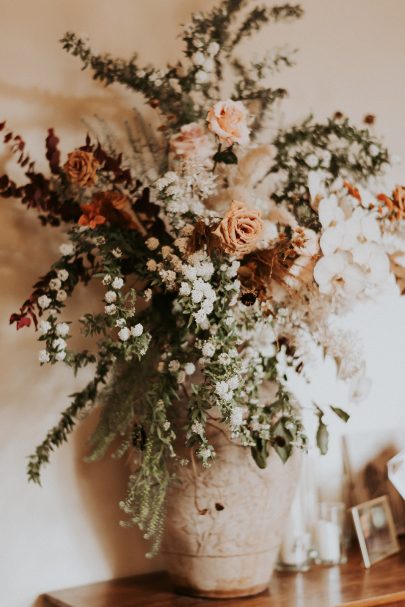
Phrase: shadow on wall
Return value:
(101, 485)
(27, 250)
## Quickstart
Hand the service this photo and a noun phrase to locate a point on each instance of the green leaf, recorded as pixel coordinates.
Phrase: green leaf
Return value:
(340, 413)
(260, 453)
(322, 436)
(281, 439)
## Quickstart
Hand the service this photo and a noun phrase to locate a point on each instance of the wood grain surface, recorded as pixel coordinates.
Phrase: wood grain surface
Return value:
(349, 585)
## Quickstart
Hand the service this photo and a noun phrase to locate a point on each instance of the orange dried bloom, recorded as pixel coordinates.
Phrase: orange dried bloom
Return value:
(394, 205)
(81, 168)
(353, 191)
(107, 206)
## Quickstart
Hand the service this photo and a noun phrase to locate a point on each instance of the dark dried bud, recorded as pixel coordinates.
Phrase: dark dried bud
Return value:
(154, 103)
(337, 115)
(369, 119)
(280, 441)
(248, 298)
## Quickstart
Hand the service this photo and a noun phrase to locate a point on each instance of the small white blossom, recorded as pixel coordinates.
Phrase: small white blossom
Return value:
(63, 274)
(237, 417)
(117, 283)
(107, 279)
(196, 295)
(120, 322)
(189, 368)
(222, 389)
(66, 249)
(201, 319)
(161, 367)
(152, 243)
(224, 358)
(201, 77)
(209, 65)
(44, 327)
(207, 306)
(117, 252)
(213, 48)
(181, 377)
(198, 58)
(59, 344)
(233, 382)
(61, 295)
(147, 295)
(124, 334)
(373, 150)
(62, 329)
(43, 356)
(312, 161)
(110, 309)
(60, 355)
(208, 349)
(197, 428)
(185, 289)
(44, 302)
(110, 297)
(166, 425)
(174, 366)
(137, 330)
(55, 284)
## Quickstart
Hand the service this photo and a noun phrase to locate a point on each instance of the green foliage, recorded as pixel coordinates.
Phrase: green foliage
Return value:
(60, 433)
(343, 415)
(322, 433)
(348, 156)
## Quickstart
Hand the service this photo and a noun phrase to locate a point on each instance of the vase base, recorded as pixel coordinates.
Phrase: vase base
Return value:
(230, 593)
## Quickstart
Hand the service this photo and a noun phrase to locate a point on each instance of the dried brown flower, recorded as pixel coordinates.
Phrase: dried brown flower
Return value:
(81, 168)
(239, 230)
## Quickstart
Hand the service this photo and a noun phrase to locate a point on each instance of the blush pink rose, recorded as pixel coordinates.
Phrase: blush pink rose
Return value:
(240, 230)
(228, 120)
(192, 141)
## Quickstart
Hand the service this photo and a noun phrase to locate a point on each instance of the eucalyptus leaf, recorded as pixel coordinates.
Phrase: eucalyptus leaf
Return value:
(340, 413)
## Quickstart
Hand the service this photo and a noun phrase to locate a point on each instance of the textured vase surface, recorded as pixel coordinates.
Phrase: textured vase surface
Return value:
(224, 524)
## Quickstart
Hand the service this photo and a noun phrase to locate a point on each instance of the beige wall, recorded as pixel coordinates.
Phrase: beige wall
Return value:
(352, 59)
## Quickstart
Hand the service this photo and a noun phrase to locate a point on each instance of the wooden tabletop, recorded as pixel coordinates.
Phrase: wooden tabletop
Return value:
(348, 585)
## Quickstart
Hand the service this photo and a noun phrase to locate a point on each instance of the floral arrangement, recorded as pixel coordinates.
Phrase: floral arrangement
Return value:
(225, 247)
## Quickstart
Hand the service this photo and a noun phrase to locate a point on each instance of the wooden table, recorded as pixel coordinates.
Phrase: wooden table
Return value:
(349, 585)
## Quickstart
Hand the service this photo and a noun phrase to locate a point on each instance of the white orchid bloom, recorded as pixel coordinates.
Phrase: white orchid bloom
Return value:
(359, 386)
(330, 213)
(332, 239)
(373, 260)
(337, 271)
(366, 226)
(316, 187)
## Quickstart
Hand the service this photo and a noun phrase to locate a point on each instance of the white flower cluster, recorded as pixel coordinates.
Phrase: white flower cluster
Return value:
(177, 197)
(205, 62)
(196, 287)
(354, 262)
(56, 343)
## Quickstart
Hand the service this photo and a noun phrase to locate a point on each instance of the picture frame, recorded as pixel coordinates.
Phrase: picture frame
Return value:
(375, 529)
(366, 458)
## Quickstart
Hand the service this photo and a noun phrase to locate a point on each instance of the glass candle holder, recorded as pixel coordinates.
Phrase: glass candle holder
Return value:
(295, 549)
(329, 533)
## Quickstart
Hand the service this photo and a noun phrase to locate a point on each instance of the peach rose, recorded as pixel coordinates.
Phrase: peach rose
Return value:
(81, 168)
(228, 120)
(240, 229)
(191, 142)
